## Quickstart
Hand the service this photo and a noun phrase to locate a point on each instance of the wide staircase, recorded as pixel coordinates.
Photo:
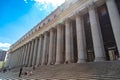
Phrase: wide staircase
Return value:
(108, 70)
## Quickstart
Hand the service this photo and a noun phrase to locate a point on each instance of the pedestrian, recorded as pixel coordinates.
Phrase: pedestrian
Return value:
(20, 72)
(30, 73)
(26, 72)
(4, 70)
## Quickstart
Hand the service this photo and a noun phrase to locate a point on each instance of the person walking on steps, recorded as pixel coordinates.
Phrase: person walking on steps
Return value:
(20, 72)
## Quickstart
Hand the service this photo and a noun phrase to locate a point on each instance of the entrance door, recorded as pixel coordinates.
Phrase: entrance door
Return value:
(107, 32)
(112, 54)
(90, 55)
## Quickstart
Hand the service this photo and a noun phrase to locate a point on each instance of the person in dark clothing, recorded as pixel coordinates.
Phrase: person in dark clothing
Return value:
(20, 72)
(4, 70)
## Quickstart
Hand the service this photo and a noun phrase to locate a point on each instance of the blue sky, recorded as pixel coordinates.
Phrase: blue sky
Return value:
(17, 17)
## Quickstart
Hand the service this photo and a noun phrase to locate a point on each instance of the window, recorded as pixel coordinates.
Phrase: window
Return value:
(103, 11)
(55, 16)
(39, 27)
(48, 20)
(43, 24)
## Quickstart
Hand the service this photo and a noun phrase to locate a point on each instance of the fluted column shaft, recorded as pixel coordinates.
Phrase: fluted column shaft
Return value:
(96, 35)
(22, 53)
(25, 54)
(19, 56)
(28, 54)
(16, 57)
(45, 50)
(31, 53)
(81, 44)
(11, 60)
(59, 49)
(35, 52)
(20, 60)
(68, 42)
(51, 47)
(39, 52)
(115, 21)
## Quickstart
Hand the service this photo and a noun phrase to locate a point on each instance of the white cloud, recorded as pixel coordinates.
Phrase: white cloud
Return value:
(46, 4)
(4, 46)
(25, 1)
(54, 3)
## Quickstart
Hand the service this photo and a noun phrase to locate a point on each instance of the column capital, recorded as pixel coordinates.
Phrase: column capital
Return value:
(78, 14)
(58, 26)
(91, 5)
(32, 39)
(68, 19)
(45, 33)
(36, 37)
(41, 35)
(52, 29)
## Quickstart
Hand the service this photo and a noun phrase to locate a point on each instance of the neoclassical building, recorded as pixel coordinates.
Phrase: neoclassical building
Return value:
(78, 31)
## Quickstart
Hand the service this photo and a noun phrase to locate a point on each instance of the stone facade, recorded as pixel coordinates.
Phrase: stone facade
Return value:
(73, 33)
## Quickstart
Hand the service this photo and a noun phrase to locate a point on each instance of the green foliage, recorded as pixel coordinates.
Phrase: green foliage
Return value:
(3, 64)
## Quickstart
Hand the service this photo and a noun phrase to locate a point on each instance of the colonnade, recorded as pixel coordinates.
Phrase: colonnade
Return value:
(56, 45)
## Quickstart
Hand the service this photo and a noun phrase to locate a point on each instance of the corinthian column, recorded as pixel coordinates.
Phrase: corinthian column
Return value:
(51, 55)
(21, 57)
(45, 49)
(31, 53)
(35, 52)
(24, 55)
(27, 52)
(115, 21)
(19, 54)
(39, 52)
(81, 42)
(59, 49)
(96, 35)
(68, 42)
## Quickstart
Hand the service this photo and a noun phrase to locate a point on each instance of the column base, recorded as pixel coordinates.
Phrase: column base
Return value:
(68, 62)
(57, 63)
(37, 65)
(99, 59)
(49, 63)
(42, 63)
(81, 61)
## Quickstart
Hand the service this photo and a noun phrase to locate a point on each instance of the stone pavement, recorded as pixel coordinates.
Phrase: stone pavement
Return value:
(84, 71)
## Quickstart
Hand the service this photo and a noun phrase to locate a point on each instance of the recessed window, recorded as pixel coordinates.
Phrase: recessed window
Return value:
(48, 20)
(43, 24)
(103, 11)
(54, 16)
(39, 27)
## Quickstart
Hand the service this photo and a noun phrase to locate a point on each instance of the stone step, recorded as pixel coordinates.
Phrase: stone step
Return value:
(84, 71)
